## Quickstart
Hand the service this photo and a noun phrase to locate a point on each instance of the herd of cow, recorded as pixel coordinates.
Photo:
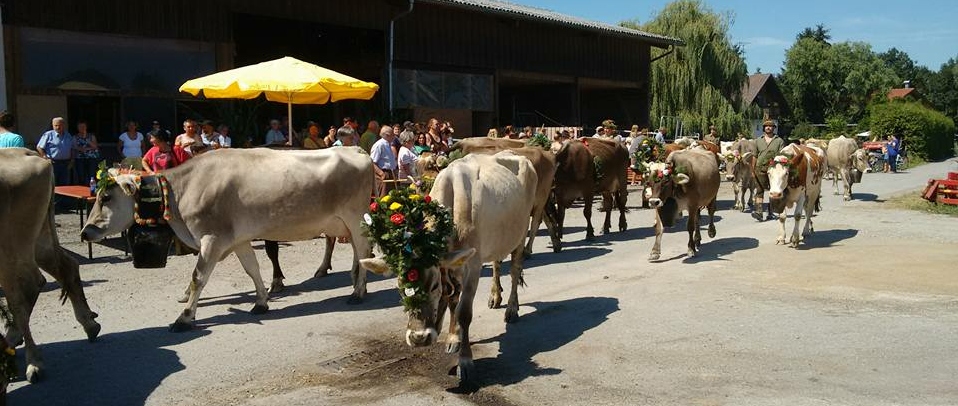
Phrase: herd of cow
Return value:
(497, 194)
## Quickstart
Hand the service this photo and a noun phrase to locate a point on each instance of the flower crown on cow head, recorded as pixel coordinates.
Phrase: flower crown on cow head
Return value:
(413, 234)
(104, 179)
(643, 154)
(780, 160)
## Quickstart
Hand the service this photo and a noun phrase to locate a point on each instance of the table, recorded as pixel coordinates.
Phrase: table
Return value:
(82, 196)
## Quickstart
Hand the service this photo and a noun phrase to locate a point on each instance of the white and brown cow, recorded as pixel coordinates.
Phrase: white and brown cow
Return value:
(844, 159)
(219, 202)
(491, 216)
(688, 180)
(795, 178)
(28, 243)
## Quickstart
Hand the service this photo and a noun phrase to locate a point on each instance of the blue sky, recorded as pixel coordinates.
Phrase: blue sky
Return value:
(925, 29)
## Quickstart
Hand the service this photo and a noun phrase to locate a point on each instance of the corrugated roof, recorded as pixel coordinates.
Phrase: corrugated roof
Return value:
(539, 14)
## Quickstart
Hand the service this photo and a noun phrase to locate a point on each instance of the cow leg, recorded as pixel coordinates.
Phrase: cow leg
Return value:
(836, 184)
(495, 292)
(466, 367)
(846, 179)
(452, 339)
(272, 252)
(656, 247)
(21, 281)
(515, 274)
(326, 266)
(621, 198)
(739, 197)
(607, 208)
(793, 242)
(781, 228)
(692, 225)
(205, 262)
(247, 257)
(711, 211)
(560, 218)
(537, 214)
(548, 216)
(66, 271)
(361, 249)
(587, 213)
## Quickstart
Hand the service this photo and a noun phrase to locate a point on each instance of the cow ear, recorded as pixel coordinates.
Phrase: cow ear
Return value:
(376, 265)
(746, 156)
(128, 185)
(457, 258)
(681, 179)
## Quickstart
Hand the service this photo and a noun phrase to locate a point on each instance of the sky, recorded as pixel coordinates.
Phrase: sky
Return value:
(927, 30)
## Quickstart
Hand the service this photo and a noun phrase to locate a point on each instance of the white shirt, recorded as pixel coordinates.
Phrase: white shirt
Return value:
(406, 157)
(382, 155)
(132, 148)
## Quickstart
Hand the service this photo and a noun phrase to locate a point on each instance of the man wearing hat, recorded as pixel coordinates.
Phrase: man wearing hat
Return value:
(209, 137)
(768, 145)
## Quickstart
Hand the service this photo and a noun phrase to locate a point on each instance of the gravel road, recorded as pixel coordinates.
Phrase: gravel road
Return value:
(865, 313)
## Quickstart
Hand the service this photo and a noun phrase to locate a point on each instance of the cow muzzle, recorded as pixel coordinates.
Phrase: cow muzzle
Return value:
(655, 202)
(774, 195)
(729, 177)
(421, 338)
(91, 233)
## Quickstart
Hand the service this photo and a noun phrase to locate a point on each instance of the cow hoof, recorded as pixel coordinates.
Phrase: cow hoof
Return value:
(94, 315)
(757, 215)
(183, 299)
(33, 373)
(711, 232)
(653, 257)
(92, 331)
(277, 286)
(512, 315)
(466, 373)
(590, 237)
(606, 230)
(321, 273)
(526, 253)
(495, 302)
(354, 300)
(259, 309)
(180, 326)
(848, 198)
(452, 348)
(779, 241)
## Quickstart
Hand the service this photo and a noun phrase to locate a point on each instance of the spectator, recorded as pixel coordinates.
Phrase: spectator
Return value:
(209, 137)
(894, 144)
(407, 158)
(132, 143)
(57, 145)
(434, 138)
(313, 140)
(225, 140)
(9, 139)
(369, 137)
(275, 136)
(345, 136)
(161, 156)
(492, 133)
(383, 159)
(420, 145)
(526, 133)
(599, 132)
(508, 132)
(660, 135)
(87, 153)
(712, 136)
(156, 126)
(187, 140)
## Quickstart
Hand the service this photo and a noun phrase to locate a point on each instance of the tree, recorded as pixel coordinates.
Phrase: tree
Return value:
(818, 34)
(942, 90)
(702, 82)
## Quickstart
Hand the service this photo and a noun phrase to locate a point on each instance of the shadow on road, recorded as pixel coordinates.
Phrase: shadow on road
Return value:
(551, 326)
(715, 249)
(866, 197)
(119, 369)
(827, 238)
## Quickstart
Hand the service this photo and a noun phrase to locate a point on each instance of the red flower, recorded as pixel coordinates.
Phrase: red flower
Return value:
(412, 275)
(428, 199)
(397, 218)
(373, 206)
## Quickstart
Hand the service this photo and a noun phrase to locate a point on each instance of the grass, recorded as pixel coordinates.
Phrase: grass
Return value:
(913, 201)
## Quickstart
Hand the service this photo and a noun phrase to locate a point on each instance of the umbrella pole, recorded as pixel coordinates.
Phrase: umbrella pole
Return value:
(289, 118)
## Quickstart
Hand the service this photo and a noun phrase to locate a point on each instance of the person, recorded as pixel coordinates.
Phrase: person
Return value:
(156, 126)
(637, 140)
(407, 158)
(369, 137)
(57, 145)
(8, 138)
(660, 135)
(768, 146)
(434, 138)
(187, 139)
(131, 143)
(492, 133)
(313, 140)
(894, 145)
(526, 133)
(162, 156)
(712, 136)
(599, 132)
(384, 162)
(225, 140)
(420, 145)
(87, 153)
(209, 136)
(345, 137)
(355, 126)
(275, 136)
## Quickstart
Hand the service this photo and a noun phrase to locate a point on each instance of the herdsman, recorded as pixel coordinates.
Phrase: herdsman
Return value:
(768, 146)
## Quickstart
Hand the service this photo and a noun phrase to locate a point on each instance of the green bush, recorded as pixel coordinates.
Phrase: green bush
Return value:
(925, 132)
(805, 131)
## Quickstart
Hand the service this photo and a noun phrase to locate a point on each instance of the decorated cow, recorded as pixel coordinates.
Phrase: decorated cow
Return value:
(795, 178)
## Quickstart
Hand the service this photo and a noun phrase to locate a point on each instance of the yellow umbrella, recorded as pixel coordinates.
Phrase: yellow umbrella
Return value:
(285, 80)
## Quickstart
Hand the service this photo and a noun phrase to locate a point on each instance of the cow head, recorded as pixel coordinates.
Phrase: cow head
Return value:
(779, 170)
(663, 184)
(736, 165)
(859, 159)
(436, 286)
(113, 211)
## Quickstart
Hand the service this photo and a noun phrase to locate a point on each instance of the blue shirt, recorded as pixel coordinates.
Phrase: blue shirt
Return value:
(893, 146)
(57, 147)
(11, 140)
(382, 155)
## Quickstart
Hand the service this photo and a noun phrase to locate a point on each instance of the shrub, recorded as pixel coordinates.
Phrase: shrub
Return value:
(925, 132)
(804, 130)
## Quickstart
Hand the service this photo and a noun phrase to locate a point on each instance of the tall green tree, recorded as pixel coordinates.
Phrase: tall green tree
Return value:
(942, 89)
(702, 82)
(817, 34)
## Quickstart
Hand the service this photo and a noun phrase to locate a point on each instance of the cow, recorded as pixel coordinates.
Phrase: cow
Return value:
(545, 164)
(587, 166)
(740, 164)
(28, 241)
(844, 157)
(688, 180)
(490, 214)
(217, 209)
(795, 178)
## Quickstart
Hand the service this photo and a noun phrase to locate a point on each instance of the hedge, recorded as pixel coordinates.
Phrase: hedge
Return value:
(925, 132)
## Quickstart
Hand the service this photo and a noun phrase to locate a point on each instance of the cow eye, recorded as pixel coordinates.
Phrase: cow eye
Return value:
(105, 198)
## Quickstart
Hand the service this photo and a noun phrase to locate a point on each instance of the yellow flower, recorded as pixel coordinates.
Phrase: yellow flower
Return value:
(10, 351)
(415, 197)
(386, 199)
(395, 206)
(99, 174)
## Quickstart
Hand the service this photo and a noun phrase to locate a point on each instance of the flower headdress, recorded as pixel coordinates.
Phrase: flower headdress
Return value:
(104, 179)
(413, 234)
(656, 175)
(780, 160)
(644, 152)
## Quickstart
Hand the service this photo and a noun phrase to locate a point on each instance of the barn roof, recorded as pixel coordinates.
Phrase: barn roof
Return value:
(900, 93)
(755, 84)
(539, 14)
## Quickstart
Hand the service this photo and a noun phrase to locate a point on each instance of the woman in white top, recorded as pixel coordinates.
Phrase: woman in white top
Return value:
(132, 143)
(407, 158)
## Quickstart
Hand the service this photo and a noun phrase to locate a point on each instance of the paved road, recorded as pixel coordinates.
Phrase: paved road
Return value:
(864, 313)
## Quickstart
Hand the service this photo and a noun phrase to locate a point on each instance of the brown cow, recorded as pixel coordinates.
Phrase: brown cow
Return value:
(587, 166)
(28, 241)
(739, 165)
(795, 178)
(688, 180)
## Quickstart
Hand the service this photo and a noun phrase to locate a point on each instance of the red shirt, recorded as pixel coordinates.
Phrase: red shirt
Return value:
(160, 160)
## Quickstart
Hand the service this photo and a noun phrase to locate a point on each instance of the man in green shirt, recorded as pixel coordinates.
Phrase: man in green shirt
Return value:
(768, 145)
(369, 137)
